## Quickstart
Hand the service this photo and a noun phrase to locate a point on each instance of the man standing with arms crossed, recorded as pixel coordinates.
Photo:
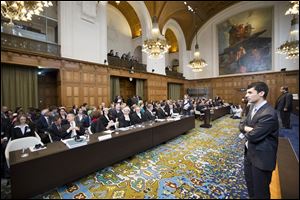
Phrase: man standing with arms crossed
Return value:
(261, 131)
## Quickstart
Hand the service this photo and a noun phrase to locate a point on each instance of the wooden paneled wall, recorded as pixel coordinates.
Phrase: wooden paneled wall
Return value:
(80, 82)
(229, 88)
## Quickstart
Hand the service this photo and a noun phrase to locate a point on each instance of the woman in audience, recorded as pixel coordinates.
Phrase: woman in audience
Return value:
(125, 119)
(105, 119)
(63, 115)
(21, 128)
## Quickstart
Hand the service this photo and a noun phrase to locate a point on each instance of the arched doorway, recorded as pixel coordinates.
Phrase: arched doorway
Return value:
(138, 53)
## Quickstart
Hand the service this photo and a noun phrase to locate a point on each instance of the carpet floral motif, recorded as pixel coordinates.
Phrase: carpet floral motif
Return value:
(203, 163)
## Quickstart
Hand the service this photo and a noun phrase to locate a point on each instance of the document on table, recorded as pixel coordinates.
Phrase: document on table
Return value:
(104, 137)
(33, 149)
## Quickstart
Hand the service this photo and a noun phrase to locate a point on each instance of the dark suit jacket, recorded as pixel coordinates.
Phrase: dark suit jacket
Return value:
(148, 115)
(113, 114)
(104, 120)
(42, 124)
(123, 122)
(17, 133)
(167, 109)
(285, 100)
(135, 119)
(160, 114)
(81, 129)
(57, 134)
(97, 126)
(263, 139)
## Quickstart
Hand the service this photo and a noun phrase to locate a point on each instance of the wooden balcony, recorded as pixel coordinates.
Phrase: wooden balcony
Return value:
(174, 74)
(126, 64)
(17, 43)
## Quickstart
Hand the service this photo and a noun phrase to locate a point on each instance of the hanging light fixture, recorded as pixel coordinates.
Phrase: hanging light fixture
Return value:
(155, 47)
(197, 64)
(291, 47)
(22, 10)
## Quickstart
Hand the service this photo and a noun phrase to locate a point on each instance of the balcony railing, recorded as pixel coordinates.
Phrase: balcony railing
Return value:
(174, 74)
(13, 42)
(126, 64)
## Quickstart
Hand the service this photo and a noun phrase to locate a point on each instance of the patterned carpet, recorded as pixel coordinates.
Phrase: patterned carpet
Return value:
(204, 163)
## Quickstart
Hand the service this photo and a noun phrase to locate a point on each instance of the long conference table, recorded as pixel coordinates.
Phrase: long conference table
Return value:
(58, 165)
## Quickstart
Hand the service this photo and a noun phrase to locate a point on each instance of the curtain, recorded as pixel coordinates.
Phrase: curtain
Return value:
(174, 91)
(114, 88)
(139, 90)
(19, 86)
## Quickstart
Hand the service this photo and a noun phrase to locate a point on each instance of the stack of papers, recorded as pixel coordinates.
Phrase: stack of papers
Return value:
(124, 129)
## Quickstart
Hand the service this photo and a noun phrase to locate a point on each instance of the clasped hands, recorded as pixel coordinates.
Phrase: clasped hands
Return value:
(248, 129)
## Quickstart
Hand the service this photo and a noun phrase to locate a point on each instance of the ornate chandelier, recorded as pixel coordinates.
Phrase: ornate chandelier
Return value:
(197, 64)
(291, 48)
(22, 10)
(294, 9)
(155, 47)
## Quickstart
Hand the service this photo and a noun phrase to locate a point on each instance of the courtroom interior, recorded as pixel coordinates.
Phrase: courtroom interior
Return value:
(150, 99)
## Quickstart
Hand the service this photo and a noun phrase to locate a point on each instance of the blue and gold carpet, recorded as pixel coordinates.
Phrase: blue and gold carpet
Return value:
(204, 163)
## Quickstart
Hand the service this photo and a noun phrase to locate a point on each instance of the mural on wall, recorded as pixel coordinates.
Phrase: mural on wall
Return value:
(245, 42)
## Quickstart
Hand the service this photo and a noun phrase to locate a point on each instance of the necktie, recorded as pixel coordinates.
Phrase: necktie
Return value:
(47, 120)
(253, 112)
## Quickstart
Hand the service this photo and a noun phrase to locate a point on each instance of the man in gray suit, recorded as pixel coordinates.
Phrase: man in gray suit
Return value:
(260, 129)
(284, 106)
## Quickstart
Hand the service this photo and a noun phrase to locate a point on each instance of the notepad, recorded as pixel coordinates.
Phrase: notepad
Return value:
(104, 137)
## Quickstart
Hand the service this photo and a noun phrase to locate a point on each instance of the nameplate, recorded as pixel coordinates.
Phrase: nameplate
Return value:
(104, 137)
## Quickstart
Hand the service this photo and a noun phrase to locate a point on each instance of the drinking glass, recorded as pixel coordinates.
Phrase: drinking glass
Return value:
(24, 153)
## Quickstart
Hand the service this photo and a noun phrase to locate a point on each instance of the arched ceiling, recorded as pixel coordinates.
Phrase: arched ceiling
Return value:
(130, 16)
(172, 40)
(177, 10)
